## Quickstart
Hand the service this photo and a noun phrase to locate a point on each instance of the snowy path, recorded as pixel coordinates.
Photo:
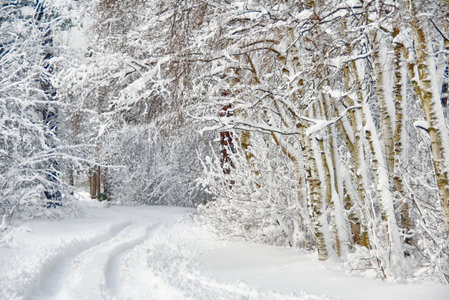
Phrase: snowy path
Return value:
(158, 253)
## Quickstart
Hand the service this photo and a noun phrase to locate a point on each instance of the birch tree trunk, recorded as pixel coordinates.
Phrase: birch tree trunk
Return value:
(424, 83)
(313, 180)
(384, 95)
(400, 94)
(357, 157)
(334, 185)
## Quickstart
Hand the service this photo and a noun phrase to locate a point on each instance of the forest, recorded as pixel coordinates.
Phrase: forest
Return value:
(320, 125)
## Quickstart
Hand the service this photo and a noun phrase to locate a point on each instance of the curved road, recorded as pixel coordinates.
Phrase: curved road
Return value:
(143, 253)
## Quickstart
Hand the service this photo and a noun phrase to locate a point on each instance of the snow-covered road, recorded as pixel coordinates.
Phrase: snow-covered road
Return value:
(113, 253)
(159, 253)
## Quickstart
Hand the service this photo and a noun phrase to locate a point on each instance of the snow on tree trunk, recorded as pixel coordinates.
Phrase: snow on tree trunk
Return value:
(425, 85)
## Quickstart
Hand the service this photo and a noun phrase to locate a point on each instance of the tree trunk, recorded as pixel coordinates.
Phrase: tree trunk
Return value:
(424, 83)
(358, 159)
(93, 182)
(400, 89)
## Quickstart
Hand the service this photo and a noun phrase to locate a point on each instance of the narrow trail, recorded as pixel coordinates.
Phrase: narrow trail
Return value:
(89, 268)
(116, 261)
(88, 273)
(54, 272)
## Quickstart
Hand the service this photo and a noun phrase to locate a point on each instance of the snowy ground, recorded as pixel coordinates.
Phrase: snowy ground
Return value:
(158, 253)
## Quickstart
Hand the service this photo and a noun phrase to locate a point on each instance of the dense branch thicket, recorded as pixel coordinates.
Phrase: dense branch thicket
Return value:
(32, 153)
(130, 97)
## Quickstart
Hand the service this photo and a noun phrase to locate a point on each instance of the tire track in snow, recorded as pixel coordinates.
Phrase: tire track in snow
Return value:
(117, 258)
(86, 276)
(48, 280)
(138, 280)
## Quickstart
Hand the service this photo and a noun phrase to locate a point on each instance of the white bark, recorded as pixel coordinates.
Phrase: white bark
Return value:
(385, 196)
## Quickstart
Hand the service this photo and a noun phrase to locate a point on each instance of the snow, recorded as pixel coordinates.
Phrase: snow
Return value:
(319, 125)
(421, 124)
(285, 269)
(158, 252)
(304, 14)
